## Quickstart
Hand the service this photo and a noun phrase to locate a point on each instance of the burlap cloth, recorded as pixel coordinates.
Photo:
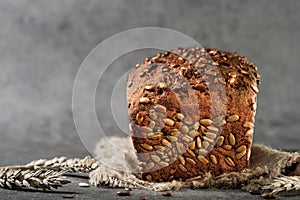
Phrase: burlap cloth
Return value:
(270, 170)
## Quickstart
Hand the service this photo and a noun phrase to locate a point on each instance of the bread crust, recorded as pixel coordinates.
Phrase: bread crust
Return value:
(191, 111)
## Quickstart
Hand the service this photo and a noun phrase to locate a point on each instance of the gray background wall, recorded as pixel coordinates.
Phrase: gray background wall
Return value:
(42, 44)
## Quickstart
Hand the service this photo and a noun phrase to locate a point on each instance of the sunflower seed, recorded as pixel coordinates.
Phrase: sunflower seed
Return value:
(268, 196)
(231, 80)
(240, 155)
(254, 106)
(167, 194)
(151, 124)
(162, 85)
(160, 108)
(147, 147)
(211, 73)
(249, 132)
(123, 193)
(222, 123)
(182, 168)
(192, 145)
(179, 147)
(210, 135)
(190, 152)
(248, 125)
(149, 166)
(205, 121)
(83, 185)
(203, 151)
(227, 147)
(184, 129)
(196, 126)
(172, 138)
(179, 116)
(213, 159)
(191, 161)
(193, 133)
(186, 139)
(198, 140)
(181, 160)
(174, 130)
(231, 139)
(248, 154)
(164, 164)
(229, 161)
(158, 147)
(149, 87)
(169, 122)
(205, 144)
(144, 100)
(208, 139)
(212, 128)
(154, 136)
(220, 141)
(232, 118)
(155, 158)
(165, 142)
(161, 151)
(146, 129)
(68, 196)
(241, 148)
(150, 135)
(255, 88)
(202, 159)
(174, 133)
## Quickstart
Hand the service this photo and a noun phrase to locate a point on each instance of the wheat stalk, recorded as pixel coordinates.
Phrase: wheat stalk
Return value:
(44, 174)
(26, 178)
(284, 183)
(60, 164)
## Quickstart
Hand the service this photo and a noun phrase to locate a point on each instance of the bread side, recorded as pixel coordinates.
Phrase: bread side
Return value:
(192, 111)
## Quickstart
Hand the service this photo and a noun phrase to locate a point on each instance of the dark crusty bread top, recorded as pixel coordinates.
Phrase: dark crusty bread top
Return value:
(216, 75)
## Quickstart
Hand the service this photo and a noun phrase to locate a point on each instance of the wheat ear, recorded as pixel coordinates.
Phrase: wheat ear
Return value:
(60, 164)
(26, 178)
(44, 174)
(284, 183)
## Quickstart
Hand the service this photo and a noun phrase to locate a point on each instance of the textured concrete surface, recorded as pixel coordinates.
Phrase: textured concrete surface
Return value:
(106, 193)
(42, 44)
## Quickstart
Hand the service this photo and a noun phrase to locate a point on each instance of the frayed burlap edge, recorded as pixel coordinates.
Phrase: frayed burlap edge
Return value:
(271, 170)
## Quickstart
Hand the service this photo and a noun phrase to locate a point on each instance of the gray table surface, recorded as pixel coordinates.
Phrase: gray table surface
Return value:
(106, 193)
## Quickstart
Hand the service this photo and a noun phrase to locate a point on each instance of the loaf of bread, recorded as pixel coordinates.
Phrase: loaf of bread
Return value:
(191, 111)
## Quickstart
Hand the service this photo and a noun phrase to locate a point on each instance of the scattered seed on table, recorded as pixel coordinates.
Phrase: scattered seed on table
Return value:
(84, 185)
(268, 196)
(67, 196)
(123, 193)
(255, 192)
(167, 194)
